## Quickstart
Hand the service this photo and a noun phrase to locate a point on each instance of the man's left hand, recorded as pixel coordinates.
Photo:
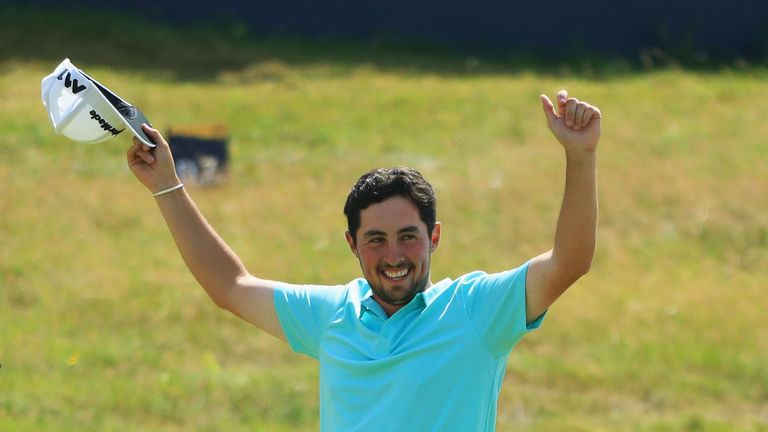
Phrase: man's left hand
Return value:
(576, 124)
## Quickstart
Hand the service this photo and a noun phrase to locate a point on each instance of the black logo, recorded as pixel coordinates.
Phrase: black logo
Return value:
(71, 83)
(103, 123)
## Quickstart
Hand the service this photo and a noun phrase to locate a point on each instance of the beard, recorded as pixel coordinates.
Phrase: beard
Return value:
(400, 296)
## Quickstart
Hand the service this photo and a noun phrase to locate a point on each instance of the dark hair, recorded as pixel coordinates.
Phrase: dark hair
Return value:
(383, 183)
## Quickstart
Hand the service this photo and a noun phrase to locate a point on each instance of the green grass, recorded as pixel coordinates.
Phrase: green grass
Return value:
(101, 327)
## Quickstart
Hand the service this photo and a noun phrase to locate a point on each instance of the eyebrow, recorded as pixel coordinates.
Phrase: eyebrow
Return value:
(404, 230)
(408, 229)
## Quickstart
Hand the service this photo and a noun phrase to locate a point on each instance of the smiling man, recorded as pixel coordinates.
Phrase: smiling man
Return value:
(398, 352)
(392, 231)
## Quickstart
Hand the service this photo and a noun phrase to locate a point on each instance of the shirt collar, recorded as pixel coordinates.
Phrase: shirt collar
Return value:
(421, 300)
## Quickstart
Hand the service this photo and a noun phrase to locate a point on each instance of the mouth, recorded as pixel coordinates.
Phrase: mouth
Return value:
(395, 274)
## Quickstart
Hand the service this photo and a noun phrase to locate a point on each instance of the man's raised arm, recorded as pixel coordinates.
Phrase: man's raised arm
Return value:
(577, 126)
(215, 266)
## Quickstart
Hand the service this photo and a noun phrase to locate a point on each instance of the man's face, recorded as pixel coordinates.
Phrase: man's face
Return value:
(394, 250)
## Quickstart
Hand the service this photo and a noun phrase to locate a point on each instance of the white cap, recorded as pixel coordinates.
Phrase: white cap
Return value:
(83, 110)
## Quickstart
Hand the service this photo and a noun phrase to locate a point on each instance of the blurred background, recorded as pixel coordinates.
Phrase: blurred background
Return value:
(102, 327)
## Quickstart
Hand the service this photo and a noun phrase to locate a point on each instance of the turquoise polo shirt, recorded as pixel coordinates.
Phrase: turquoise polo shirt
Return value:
(437, 364)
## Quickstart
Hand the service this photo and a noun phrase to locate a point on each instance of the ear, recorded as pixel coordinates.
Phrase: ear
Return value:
(435, 240)
(351, 242)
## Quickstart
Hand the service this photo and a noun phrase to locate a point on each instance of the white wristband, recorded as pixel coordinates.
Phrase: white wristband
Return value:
(169, 190)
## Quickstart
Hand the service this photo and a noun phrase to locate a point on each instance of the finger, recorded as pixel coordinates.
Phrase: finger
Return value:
(578, 118)
(549, 109)
(570, 111)
(154, 134)
(131, 154)
(588, 114)
(140, 144)
(562, 97)
(145, 156)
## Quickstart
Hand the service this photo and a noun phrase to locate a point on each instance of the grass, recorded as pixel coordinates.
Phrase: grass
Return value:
(101, 327)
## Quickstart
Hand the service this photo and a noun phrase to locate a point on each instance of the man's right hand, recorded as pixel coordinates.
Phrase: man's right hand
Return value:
(155, 170)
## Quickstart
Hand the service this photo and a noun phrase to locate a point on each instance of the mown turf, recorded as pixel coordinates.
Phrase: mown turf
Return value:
(101, 327)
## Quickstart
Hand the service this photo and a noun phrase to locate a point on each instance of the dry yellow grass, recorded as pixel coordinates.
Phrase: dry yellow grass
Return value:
(102, 328)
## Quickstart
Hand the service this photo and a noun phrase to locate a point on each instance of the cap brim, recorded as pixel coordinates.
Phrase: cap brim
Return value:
(131, 116)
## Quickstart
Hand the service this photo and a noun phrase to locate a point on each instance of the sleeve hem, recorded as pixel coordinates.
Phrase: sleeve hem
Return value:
(281, 309)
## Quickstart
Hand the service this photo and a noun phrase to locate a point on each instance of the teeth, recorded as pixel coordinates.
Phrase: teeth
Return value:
(396, 274)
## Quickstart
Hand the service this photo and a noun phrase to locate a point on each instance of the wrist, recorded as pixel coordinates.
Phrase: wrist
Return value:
(167, 190)
(580, 156)
(163, 183)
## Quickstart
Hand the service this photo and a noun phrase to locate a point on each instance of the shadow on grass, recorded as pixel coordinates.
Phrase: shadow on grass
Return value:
(204, 53)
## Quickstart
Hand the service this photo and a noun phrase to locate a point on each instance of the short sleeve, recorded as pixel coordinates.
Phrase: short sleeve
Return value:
(495, 303)
(304, 312)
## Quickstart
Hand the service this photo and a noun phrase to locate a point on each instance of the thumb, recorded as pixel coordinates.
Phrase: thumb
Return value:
(162, 151)
(549, 109)
(562, 99)
(154, 135)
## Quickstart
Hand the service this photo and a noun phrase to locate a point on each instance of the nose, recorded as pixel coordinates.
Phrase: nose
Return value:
(394, 255)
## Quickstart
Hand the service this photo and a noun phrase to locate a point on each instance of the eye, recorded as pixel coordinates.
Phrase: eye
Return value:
(408, 237)
(376, 240)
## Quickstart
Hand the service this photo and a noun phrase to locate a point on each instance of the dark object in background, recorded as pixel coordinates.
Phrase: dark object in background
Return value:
(201, 153)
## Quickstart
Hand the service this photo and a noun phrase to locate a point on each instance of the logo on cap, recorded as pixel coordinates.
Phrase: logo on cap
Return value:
(103, 123)
(70, 83)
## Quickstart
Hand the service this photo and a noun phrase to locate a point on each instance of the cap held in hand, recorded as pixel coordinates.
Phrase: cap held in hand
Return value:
(83, 110)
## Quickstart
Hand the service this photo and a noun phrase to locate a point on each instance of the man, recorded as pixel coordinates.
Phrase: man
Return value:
(397, 352)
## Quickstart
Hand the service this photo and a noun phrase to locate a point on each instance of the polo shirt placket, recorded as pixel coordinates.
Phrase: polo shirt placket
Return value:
(389, 328)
